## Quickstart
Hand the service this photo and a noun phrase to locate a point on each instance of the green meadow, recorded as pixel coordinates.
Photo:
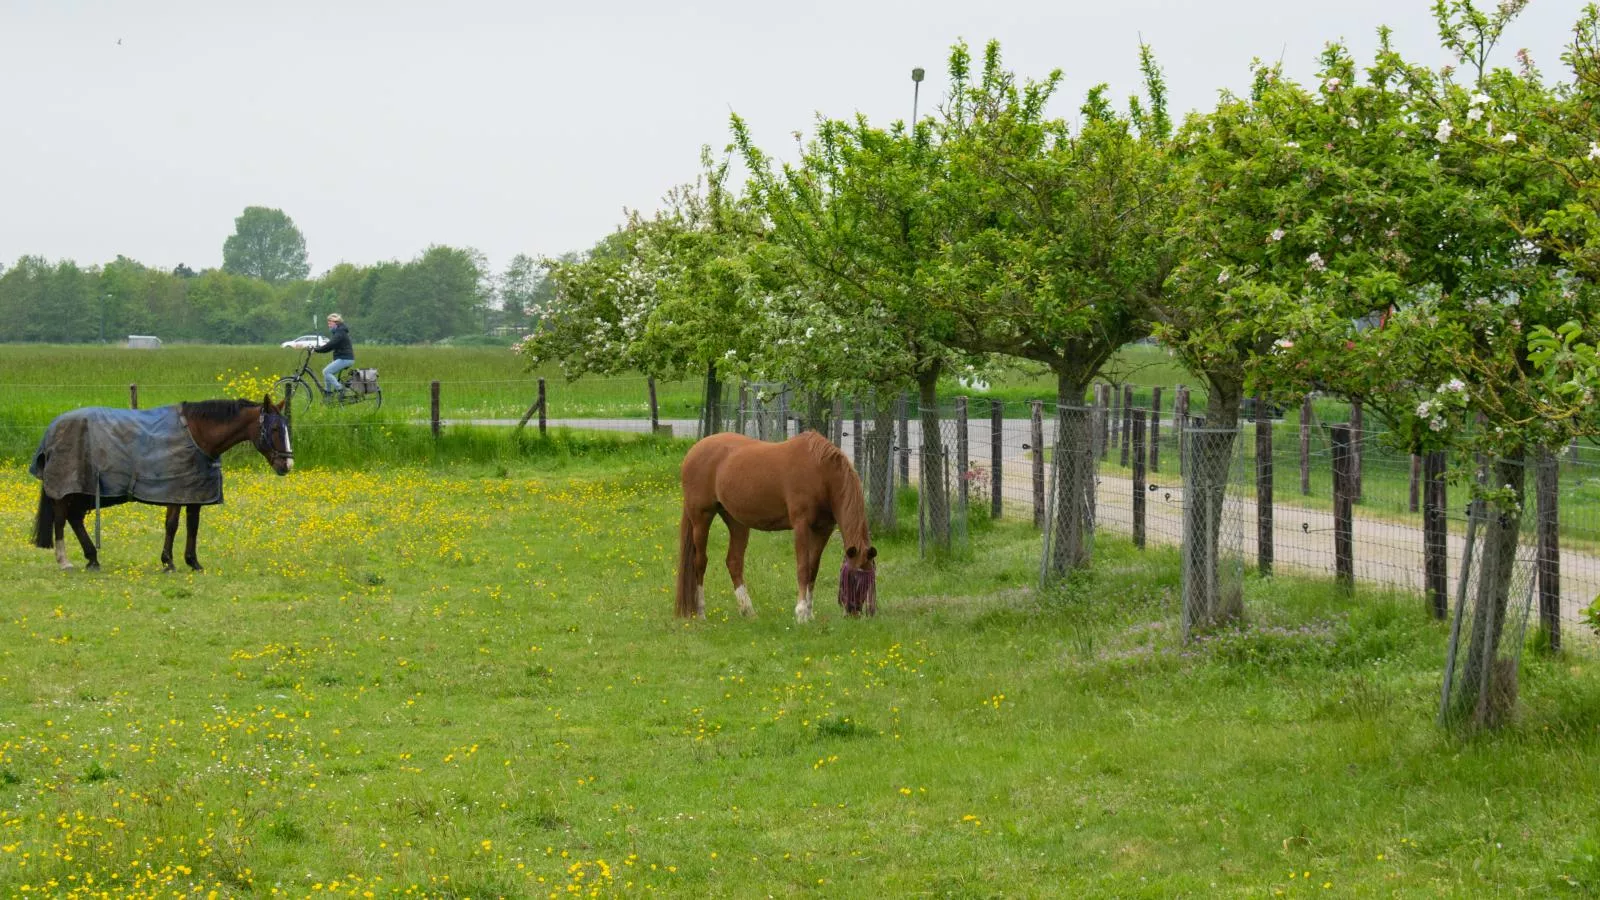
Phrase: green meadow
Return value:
(462, 678)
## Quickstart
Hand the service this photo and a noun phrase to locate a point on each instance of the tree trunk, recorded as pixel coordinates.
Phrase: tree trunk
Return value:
(1207, 602)
(1072, 528)
(712, 423)
(934, 490)
(1488, 688)
(879, 470)
(818, 413)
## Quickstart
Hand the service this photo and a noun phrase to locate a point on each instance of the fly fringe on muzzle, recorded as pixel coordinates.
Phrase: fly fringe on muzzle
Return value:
(856, 587)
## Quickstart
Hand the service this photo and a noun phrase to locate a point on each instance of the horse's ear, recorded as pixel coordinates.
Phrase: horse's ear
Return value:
(872, 553)
(850, 552)
(266, 403)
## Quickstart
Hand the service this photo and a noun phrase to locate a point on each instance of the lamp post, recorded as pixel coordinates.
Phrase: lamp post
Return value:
(916, 88)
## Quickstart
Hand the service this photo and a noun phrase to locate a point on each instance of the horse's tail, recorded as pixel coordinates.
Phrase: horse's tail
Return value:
(687, 607)
(44, 522)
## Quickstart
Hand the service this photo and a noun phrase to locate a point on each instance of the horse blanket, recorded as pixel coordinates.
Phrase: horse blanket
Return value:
(128, 454)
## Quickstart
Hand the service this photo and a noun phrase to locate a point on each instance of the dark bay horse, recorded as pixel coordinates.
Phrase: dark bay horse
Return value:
(170, 456)
(804, 484)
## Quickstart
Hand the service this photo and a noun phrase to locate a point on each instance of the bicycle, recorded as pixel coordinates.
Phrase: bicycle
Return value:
(302, 386)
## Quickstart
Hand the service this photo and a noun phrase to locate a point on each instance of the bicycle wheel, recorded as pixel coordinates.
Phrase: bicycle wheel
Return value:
(297, 393)
(377, 397)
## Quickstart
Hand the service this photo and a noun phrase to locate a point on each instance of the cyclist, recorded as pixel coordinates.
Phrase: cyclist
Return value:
(344, 354)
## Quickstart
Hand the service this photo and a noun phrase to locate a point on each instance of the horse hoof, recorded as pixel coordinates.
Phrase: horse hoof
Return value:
(66, 567)
(92, 567)
(196, 567)
(168, 569)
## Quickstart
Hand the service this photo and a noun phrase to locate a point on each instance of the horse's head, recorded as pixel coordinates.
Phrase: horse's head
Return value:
(270, 434)
(858, 581)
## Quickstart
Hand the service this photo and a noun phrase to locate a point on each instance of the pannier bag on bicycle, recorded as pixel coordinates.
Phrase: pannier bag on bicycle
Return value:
(364, 381)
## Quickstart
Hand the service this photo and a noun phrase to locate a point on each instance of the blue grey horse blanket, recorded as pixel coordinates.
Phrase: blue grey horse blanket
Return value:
(146, 455)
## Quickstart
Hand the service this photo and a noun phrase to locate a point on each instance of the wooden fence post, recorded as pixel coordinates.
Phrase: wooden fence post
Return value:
(905, 438)
(537, 406)
(1416, 482)
(655, 411)
(1155, 429)
(133, 396)
(1102, 420)
(1305, 447)
(997, 425)
(1264, 533)
(433, 413)
(1127, 421)
(1356, 440)
(1037, 446)
(1114, 433)
(855, 437)
(1138, 458)
(1180, 419)
(1343, 497)
(1549, 565)
(544, 410)
(836, 425)
(962, 463)
(1435, 535)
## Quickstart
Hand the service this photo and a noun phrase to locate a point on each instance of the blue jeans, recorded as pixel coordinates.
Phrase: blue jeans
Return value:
(330, 373)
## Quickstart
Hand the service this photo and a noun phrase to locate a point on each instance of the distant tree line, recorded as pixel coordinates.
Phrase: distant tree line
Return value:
(262, 294)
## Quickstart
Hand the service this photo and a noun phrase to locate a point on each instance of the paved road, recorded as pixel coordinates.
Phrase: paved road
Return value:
(1387, 552)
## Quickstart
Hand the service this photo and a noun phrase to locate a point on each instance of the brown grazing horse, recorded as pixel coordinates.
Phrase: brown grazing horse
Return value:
(183, 467)
(805, 484)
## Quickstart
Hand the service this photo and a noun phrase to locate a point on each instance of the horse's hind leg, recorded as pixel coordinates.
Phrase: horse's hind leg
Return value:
(192, 536)
(738, 541)
(172, 532)
(90, 554)
(701, 531)
(62, 509)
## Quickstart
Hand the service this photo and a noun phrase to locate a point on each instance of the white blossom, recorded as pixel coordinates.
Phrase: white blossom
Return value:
(1444, 132)
(1478, 99)
(1222, 277)
(1594, 150)
(1509, 137)
(1293, 145)
(1474, 114)
(1454, 385)
(1283, 343)
(1317, 262)
(1352, 121)
(1277, 235)
(1425, 409)
(1436, 423)
(1331, 85)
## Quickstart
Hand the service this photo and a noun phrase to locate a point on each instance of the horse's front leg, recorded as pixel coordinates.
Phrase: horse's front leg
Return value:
(191, 537)
(172, 532)
(804, 571)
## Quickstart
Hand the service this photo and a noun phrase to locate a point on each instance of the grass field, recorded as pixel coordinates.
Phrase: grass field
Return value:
(464, 680)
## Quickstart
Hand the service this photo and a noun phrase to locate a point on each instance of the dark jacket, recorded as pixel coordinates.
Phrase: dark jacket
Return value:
(338, 343)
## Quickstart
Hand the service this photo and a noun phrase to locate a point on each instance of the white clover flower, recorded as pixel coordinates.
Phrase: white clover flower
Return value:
(1276, 235)
(1509, 137)
(1444, 132)
(1317, 262)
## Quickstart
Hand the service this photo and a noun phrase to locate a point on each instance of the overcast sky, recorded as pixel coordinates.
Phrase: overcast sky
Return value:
(144, 128)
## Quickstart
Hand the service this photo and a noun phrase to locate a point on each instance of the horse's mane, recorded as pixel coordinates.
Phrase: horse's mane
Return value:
(851, 504)
(217, 410)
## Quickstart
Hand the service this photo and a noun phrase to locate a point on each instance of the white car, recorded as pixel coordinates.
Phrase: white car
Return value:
(304, 341)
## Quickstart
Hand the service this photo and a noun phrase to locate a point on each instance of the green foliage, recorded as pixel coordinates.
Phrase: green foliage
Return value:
(265, 244)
